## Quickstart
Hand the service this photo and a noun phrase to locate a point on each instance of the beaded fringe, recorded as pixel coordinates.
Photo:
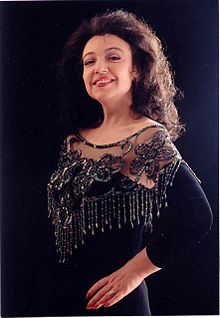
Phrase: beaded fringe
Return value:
(111, 210)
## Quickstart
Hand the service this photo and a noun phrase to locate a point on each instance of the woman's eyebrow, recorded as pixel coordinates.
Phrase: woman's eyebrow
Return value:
(108, 49)
(114, 48)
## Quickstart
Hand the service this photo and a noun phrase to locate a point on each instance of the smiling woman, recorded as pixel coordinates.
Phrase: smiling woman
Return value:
(108, 64)
(123, 202)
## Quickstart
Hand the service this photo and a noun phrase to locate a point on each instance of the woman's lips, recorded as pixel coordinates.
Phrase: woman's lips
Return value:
(103, 82)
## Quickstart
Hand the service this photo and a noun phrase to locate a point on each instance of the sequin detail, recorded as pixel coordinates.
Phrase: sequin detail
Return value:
(76, 214)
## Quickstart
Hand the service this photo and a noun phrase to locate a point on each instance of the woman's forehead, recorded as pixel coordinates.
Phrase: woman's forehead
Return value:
(104, 42)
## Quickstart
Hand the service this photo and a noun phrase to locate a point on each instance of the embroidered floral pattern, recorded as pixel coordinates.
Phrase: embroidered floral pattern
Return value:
(74, 213)
(106, 166)
(150, 154)
(82, 171)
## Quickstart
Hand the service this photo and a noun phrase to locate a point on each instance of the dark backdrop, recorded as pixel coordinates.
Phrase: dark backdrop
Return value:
(31, 39)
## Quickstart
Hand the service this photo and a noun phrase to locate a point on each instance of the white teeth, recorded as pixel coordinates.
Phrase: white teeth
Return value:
(104, 81)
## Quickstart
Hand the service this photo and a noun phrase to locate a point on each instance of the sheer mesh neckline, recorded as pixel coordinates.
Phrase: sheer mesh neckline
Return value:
(88, 143)
(91, 192)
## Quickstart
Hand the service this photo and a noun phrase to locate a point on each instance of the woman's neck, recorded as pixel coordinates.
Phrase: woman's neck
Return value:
(118, 114)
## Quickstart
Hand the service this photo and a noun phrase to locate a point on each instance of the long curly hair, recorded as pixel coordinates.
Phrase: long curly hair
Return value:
(154, 92)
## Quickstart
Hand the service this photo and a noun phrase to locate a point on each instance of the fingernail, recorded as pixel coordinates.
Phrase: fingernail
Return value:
(88, 307)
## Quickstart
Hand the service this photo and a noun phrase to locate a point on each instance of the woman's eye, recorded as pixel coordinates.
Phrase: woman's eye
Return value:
(114, 58)
(88, 62)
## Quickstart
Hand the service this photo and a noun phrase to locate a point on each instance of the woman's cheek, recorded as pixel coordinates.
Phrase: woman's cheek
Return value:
(86, 84)
(89, 89)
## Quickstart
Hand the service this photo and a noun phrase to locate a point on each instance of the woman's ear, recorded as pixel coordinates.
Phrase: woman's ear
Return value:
(135, 74)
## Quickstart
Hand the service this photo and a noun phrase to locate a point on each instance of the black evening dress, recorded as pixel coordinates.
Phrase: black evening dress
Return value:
(107, 203)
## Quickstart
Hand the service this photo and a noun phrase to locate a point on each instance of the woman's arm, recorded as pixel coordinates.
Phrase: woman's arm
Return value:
(182, 225)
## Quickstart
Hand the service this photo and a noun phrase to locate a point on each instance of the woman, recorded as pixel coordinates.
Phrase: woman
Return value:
(122, 201)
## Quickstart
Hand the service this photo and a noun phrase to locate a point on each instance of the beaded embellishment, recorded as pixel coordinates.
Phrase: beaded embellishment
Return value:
(75, 212)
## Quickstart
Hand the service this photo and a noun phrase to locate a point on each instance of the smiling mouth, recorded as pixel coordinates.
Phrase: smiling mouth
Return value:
(103, 82)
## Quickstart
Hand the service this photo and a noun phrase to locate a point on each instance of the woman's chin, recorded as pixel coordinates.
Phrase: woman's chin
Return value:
(103, 98)
(108, 98)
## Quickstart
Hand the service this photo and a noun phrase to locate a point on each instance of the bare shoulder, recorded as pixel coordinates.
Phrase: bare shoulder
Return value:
(151, 131)
(142, 123)
(108, 134)
(148, 121)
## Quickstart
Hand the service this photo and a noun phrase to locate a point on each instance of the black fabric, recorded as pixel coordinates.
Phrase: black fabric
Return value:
(185, 221)
(60, 290)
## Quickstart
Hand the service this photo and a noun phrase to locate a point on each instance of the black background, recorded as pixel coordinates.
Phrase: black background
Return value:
(31, 39)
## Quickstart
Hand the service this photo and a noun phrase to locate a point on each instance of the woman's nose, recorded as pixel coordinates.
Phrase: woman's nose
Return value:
(101, 67)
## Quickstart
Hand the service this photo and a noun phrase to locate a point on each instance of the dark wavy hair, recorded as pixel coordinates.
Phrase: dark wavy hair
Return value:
(153, 93)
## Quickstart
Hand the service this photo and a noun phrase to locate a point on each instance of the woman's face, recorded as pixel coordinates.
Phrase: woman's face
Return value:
(108, 70)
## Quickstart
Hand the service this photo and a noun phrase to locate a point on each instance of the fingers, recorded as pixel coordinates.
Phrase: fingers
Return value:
(107, 300)
(102, 297)
(113, 300)
(111, 289)
(104, 293)
(99, 295)
(101, 283)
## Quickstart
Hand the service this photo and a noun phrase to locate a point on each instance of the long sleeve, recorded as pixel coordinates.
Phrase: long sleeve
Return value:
(183, 224)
